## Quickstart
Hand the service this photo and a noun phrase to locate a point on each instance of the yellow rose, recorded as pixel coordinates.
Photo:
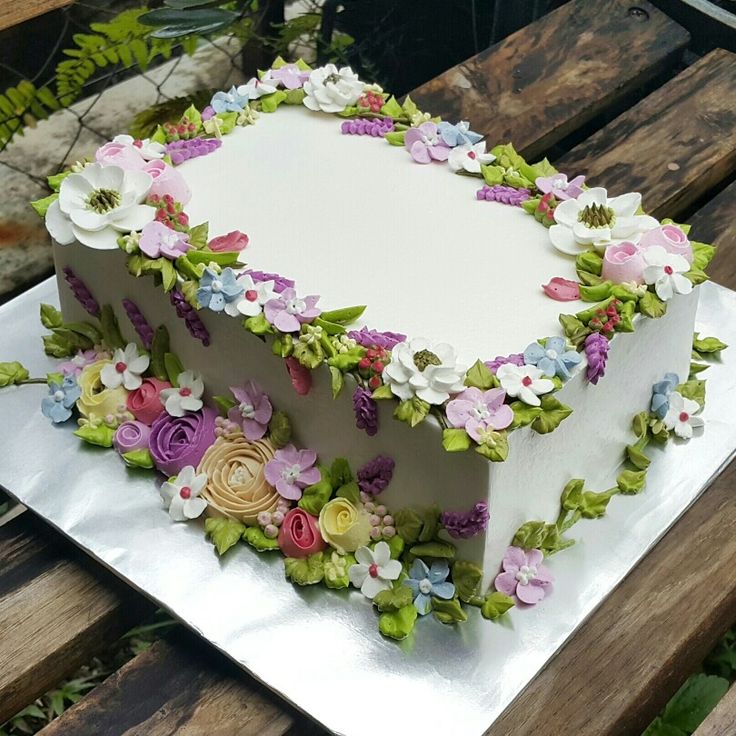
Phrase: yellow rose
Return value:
(98, 403)
(343, 526)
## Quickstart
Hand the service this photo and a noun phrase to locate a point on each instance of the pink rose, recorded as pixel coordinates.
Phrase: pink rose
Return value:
(233, 242)
(299, 534)
(671, 238)
(623, 262)
(124, 155)
(167, 180)
(145, 403)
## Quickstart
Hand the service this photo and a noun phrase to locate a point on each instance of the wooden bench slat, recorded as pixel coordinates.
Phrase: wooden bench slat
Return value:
(549, 78)
(721, 721)
(674, 145)
(13, 12)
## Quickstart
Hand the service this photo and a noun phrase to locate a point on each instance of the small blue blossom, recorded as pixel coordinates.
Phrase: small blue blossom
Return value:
(57, 406)
(458, 135)
(426, 582)
(661, 394)
(553, 359)
(231, 101)
(218, 290)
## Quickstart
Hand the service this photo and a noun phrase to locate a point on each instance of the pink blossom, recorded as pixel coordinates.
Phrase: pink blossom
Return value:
(288, 312)
(290, 471)
(425, 144)
(562, 290)
(233, 242)
(559, 187)
(253, 410)
(623, 262)
(167, 180)
(671, 238)
(290, 75)
(124, 155)
(524, 577)
(478, 411)
(158, 240)
(82, 359)
(301, 376)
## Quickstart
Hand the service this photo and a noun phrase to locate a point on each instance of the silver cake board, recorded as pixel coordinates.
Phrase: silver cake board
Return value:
(320, 649)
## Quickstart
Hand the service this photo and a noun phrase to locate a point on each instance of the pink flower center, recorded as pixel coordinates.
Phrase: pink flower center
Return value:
(668, 270)
(185, 391)
(684, 416)
(526, 381)
(185, 492)
(471, 154)
(120, 367)
(373, 571)
(251, 295)
(138, 143)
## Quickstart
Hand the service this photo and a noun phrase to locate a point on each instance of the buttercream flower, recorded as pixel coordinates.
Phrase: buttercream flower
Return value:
(131, 436)
(157, 240)
(236, 481)
(596, 353)
(366, 411)
(375, 475)
(430, 372)
(525, 382)
(466, 524)
(98, 203)
(232, 101)
(187, 396)
(559, 187)
(97, 403)
(120, 153)
(661, 392)
(145, 402)
(181, 495)
(681, 415)
(167, 180)
(57, 406)
(469, 158)
(331, 89)
(425, 144)
(299, 534)
(255, 295)
(375, 570)
(426, 582)
(288, 75)
(287, 312)
(477, 411)
(148, 149)
(217, 290)
(524, 577)
(623, 262)
(292, 470)
(252, 412)
(75, 365)
(562, 290)
(255, 88)
(554, 359)
(233, 242)
(595, 219)
(458, 135)
(670, 237)
(179, 441)
(344, 526)
(125, 369)
(666, 271)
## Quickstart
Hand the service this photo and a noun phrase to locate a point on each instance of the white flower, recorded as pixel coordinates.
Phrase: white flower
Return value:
(181, 495)
(594, 219)
(148, 149)
(375, 570)
(255, 295)
(665, 270)
(469, 158)
(330, 90)
(126, 368)
(525, 382)
(681, 417)
(99, 203)
(427, 371)
(255, 88)
(186, 396)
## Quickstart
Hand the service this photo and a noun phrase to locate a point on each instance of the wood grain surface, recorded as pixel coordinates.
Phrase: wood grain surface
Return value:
(13, 12)
(722, 719)
(547, 79)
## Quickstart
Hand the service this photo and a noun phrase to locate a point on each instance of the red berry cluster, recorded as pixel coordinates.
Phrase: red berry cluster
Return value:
(606, 320)
(169, 212)
(373, 101)
(372, 364)
(181, 131)
(545, 212)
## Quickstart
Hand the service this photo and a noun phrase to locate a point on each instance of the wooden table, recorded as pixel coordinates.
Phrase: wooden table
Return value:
(599, 87)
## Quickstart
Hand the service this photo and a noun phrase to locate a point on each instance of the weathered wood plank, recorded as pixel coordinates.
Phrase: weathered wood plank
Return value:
(13, 12)
(57, 610)
(675, 145)
(722, 719)
(544, 81)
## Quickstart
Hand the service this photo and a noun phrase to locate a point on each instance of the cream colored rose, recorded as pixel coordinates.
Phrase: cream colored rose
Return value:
(96, 402)
(343, 526)
(236, 485)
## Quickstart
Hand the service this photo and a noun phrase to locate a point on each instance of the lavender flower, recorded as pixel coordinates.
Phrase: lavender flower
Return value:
(596, 350)
(279, 282)
(373, 338)
(185, 311)
(144, 330)
(503, 194)
(466, 524)
(499, 360)
(375, 475)
(376, 128)
(183, 150)
(366, 411)
(82, 294)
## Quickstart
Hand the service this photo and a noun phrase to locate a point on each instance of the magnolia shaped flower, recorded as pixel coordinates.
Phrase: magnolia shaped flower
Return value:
(554, 359)
(148, 149)
(99, 203)
(425, 144)
(477, 411)
(375, 570)
(186, 396)
(666, 271)
(181, 494)
(525, 382)
(232, 101)
(157, 240)
(681, 415)
(253, 410)
(254, 297)
(469, 157)
(524, 576)
(255, 88)
(661, 392)
(560, 188)
(595, 219)
(217, 290)
(332, 90)
(291, 471)
(430, 372)
(458, 135)
(57, 406)
(426, 582)
(288, 75)
(287, 312)
(126, 368)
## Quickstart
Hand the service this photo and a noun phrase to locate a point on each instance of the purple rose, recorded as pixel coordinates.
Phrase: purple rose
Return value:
(671, 238)
(176, 442)
(131, 436)
(623, 262)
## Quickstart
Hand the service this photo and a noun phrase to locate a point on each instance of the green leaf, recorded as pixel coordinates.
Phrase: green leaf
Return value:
(524, 414)
(392, 108)
(480, 376)
(395, 138)
(430, 523)
(708, 344)
(270, 103)
(340, 472)
(434, 550)
(398, 624)
(409, 107)
(41, 206)
(631, 481)
(467, 577)
(492, 175)
(691, 704)
(455, 440)
(58, 346)
(702, 254)
(412, 411)
(138, 459)
(552, 415)
(307, 571)
(495, 605)
(396, 544)
(207, 256)
(331, 328)
(393, 599)
(198, 235)
(169, 275)
(593, 505)
(100, 436)
(258, 325)
(637, 458)
(12, 373)
(596, 293)
(344, 316)
(351, 492)
(495, 448)
(696, 276)
(54, 378)
(224, 533)
(224, 404)
(50, 316)
(575, 330)
(345, 362)
(589, 279)
(159, 348)
(336, 573)
(572, 494)
(279, 429)
(694, 390)
(173, 367)
(408, 524)
(650, 305)
(530, 535)
(336, 381)
(448, 612)
(317, 495)
(256, 538)
(382, 392)
(590, 261)
(696, 368)
(85, 330)
(109, 328)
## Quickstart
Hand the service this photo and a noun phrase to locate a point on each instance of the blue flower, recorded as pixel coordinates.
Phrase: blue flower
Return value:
(661, 394)
(57, 406)
(426, 582)
(554, 359)
(230, 101)
(458, 135)
(217, 290)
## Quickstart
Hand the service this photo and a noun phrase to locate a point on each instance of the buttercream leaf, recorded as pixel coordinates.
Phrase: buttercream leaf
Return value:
(412, 411)
(279, 429)
(392, 108)
(382, 392)
(575, 330)
(593, 505)
(351, 492)
(331, 328)
(492, 175)
(694, 390)
(530, 535)
(305, 571)
(696, 368)
(430, 523)
(336, 381)
(318, 494)
(631, 481)
(495, 605)
(393, 599)
(552, 415)
(224, 404)
(50, 316)
(256, 538)
(344, 316)
(408, 524)
(340, 472)
(650, 305)
(696, 276)
(398, 624)
(572, 494)
(86, 330)
(173, 368)
(12, 373)
(708, 344)
(524, 414)
(702, 254)
(224, 533)
(42, 205)
(455, 440)
(100, 436)
(596, 293)
(396, 544)
(206, 256)
(109, 328)
(498, 451)
(637, 458)
(589, 279)
(467, 577)
(159, 348)
(198, 235)
(480, 376)
(395, 138)
(448, 611)
(57, 346)
(590, 261)
(434, 550)
(138, 459)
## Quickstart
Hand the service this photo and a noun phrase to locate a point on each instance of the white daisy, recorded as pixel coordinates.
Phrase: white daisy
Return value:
(181, 494)
(126, 368)
(525, 382)
(186, 396)
(375, 570)
(665, 270)
(681, 417)
(469, 158)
